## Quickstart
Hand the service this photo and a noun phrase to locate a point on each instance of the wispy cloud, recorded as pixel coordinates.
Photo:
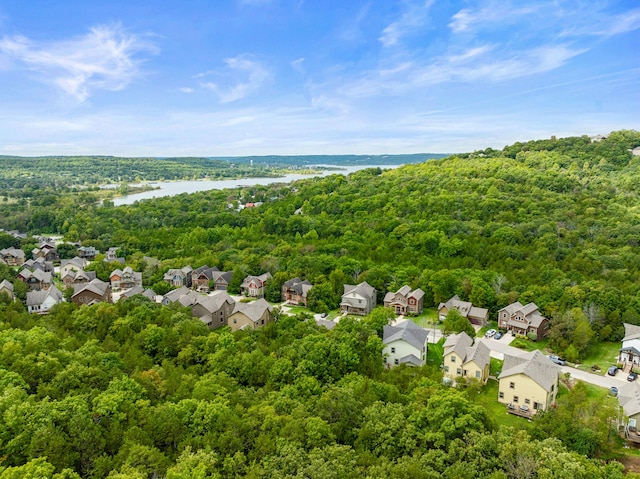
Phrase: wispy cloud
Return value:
(254, 76)
(413, 18)
(602, 24)
(489, 14)
(106, 58)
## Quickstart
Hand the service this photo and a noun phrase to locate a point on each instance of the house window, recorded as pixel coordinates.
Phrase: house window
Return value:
(459, 372)
(478, 374)
(512, 385)
(552, 386)
(446, 369)
(396, 361)
(234, 321)
(453, 359)
(501, 395)
(526, 401)
(515, 398)
(537, 405)
(393, 350)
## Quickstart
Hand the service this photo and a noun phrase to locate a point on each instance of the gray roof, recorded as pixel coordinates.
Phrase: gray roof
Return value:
(465, 308)
(35, 298)
(458, 343)
(406, 292)
(96, 286)
(176, 294)
(407, 331)
(253, 310)
(631, 331)
(411, 359)
(534, 365)
(6, 284)
(327, 323)
(363, 289)
(214, 301)
(260, 279)
(298, 286)
(40, 275)
(629, 398)
(479, 353)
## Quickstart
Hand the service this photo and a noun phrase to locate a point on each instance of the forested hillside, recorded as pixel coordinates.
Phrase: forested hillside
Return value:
(139, 390)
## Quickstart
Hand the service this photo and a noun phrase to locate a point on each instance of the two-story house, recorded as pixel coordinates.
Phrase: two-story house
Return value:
(6, 288)
(295, 291)
(36, 279)
(39, 263)
(201, 278)
(47, 251)
(74, 264)
(474, 314)
(96, 291)
(254, 286)
(253, 315)
(521, 320)
(88, 252)
(179, 277)
(528, 381)
(111, 255)
(42, 301)
(405, 300)
(12, 256)
(629, 354)
(463, 358)
(80, 276)
(125, 279)
(358, 299)
(214, 309)
(404, 343)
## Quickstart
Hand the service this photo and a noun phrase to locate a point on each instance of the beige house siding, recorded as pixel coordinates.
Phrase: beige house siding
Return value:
(452, 365)
(522, 390)
(239, 320)
(472, 370)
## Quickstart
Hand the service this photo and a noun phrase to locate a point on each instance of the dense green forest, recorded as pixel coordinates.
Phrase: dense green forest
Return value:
(137, 390)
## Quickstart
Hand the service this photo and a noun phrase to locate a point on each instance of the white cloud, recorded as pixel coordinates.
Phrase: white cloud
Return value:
(410, 20)
(103, 59)
(254, 73)
(187, 90)
(489, 14)
(604, 25)
(297, 65)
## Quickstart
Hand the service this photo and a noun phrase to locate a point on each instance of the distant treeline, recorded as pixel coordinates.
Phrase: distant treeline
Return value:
(343, 160)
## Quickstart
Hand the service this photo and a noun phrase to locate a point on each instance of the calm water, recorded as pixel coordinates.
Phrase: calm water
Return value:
(172, 188)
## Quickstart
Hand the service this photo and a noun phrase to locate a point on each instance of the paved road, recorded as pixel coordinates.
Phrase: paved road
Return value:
(501, 347)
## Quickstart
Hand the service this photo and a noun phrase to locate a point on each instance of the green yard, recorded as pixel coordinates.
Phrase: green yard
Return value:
(435, 353)
(428, 319)
(603, 354)
(487, 397)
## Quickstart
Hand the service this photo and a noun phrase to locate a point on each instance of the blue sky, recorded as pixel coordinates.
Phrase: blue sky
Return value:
(245, 77)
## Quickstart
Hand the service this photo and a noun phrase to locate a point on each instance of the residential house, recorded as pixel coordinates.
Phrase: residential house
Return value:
(462, 358)
(253, 315)
(405, 300)
(88, 252)
(254, 286)
(111, 255)
(295, 291)
(404, 343)
(125, 279)
(629, 400)
(74, 264)
(358, 299)
(201, 277)
(47, 251)
(629, 354)
(79, 276)
(176, 294)
(38, 263)
(12, 256)
(529, 380)
(179, 277)
(221, 280)
(475, 315)
(214, 310)
(36, 279)
(636, 151)
(597, 138)
(6, 288)
(138, 290)
(43, 300)
(96, 291)
(521, 320)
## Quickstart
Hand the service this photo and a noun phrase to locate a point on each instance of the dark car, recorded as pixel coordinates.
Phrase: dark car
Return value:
(498, 335)
(613, 391)
(632, 376)
(557, 359)
(612, 371)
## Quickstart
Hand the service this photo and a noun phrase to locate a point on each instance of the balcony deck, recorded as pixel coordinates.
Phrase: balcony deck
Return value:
(519, 412)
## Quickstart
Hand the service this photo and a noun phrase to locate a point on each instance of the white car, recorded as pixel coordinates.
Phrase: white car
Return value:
(490, 334)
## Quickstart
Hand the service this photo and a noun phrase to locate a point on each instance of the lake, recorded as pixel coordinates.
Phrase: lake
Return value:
(172, 188)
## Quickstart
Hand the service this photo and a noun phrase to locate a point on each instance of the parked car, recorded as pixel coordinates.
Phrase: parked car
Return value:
(557, 359)
(490, 334)
(498, 335)
(632, 376)
(613, 391)
(612, 371)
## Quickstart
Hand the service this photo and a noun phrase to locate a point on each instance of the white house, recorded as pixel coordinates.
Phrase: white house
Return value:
(42, 301)
(405, 343)
(630, 351)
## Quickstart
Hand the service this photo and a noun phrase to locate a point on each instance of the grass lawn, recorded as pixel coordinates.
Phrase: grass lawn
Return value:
(435, 353)
(428, 318)
(529, 345)
(488, 399)
(483, 330)
(602, 354)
